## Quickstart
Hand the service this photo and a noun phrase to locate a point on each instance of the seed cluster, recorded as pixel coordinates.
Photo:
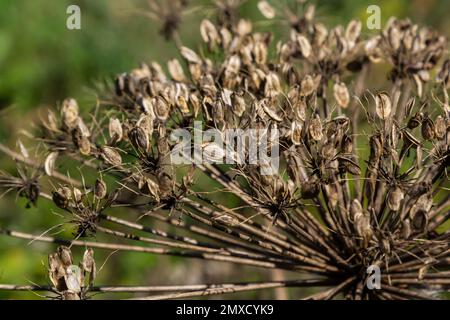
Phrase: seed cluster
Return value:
(363, 175)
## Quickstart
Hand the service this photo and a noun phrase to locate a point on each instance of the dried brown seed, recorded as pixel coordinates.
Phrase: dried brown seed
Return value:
(139, 138)
(296, 132)
(50, 161)
(305, 46)
(115, 130)
(176, 70)
(61, 197)
(65, 255)
(69, 113)
(266, 9)
(440, 127)
(307, 86)
(209, 32)
(383, 105)
(110, 156)
(190, 55)
(428, 128)
(341, 94)
(315, 128)
(395, 198)
(100, 189)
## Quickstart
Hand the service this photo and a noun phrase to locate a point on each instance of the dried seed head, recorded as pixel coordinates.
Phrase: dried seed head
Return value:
(266, 9)
(395, 198)
(110, 156)
(383, 105)
(341, 94)
(115, 130)
(100, 189)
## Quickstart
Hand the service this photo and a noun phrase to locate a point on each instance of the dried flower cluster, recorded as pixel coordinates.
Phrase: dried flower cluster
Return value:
(363, 178)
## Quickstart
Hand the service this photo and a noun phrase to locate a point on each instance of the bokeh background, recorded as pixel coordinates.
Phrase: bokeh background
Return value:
(42, 62)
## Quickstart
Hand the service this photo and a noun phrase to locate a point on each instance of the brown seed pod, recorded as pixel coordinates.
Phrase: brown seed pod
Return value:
(395, 198)
(415, 120)
(405, 229)
(440, 127)
(115, 130)
(61, 197)
(428, 128)
(176, 70)
(139, 138)
(110, 156)
(49, 164)
(341, 94)
(266, 9)
(307, 86)
(296, 132)
(190, 55)
(100, 189)
(65, 255)
(304, 45)
(315, 128)
(383, 105)
(69, 113)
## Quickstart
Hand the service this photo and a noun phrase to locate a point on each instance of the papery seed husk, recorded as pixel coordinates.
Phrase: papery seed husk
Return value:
(305, 46)
(139, 139)
(100, 189)
(383, 105)
(65, 255)
(266, 9)
(69, 112)
(428, 129)
(440, 127)
(49, 165)
(296, 132)
(406, 229)
(190, 55)
(176, 70)
(315, 128)
(395, 198)
(341, 94)
(115, 130)
(307, 86)
(111, 156)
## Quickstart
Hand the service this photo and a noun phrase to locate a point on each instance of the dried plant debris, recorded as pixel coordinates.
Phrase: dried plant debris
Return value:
(360, 181)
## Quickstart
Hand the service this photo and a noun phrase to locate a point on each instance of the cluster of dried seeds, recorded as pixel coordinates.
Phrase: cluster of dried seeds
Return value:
(363, 176)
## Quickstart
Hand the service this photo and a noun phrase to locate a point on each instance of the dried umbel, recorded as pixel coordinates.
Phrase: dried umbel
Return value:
(362, 178)
(70, 281)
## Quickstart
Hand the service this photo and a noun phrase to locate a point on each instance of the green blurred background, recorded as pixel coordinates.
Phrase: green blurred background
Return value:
(42, 62)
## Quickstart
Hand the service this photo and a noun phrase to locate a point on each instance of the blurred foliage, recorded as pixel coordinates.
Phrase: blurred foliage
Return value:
(42, 62)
